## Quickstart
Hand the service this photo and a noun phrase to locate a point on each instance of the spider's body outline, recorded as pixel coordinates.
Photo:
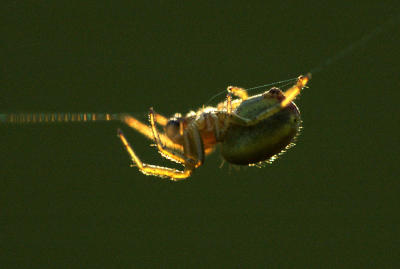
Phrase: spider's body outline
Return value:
(250, 130)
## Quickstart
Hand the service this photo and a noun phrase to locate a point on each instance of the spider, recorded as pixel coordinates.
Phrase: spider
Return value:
(249, 129)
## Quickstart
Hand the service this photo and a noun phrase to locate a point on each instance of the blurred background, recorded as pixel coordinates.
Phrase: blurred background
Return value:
(68, 197)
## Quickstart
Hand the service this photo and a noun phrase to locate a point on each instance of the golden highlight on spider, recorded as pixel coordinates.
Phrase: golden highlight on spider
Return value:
(249, 129)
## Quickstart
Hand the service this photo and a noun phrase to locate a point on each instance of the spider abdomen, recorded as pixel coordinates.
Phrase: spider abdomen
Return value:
(245, 145)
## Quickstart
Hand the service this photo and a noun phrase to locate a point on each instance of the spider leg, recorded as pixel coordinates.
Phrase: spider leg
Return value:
(174, 156)
(147, 130)
(160, 119)
(290, 95)
(148, 169)
(236, 91)
(192, 158)
(195, 150)
(239, 92)
(228, 103)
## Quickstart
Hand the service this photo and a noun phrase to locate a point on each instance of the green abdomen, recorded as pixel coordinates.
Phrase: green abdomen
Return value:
(245, 145)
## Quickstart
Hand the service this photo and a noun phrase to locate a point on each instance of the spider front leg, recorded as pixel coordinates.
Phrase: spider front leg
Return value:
(174, 156)
(147, 130)
(160, 119)
(193, 147)
(154, 170)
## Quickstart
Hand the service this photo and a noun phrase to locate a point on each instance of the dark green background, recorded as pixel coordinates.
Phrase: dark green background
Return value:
(69, 198)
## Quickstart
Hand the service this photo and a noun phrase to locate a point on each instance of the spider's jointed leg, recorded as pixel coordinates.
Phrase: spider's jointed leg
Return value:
(174, 156)
(148, 169)
(160, 119)
(290, 95)
(239, 92)
(192, 157)
(236, 91)
(147, 131)
(193, 150)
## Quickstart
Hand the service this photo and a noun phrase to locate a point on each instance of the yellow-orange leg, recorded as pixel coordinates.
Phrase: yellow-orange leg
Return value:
(154, 170)
(160, 119)
(174, 156)
(239, 92)
(290, 95)
(147, 131)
